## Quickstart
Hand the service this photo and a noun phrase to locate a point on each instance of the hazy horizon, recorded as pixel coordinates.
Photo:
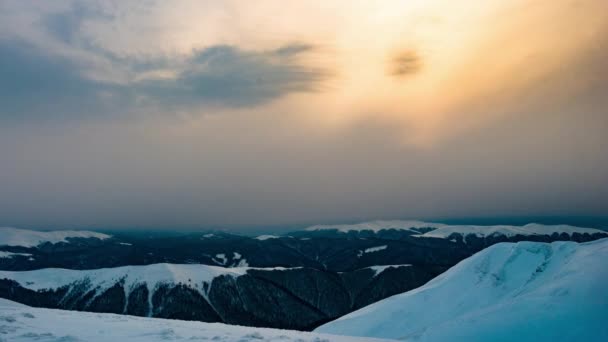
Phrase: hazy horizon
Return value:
(598, 222)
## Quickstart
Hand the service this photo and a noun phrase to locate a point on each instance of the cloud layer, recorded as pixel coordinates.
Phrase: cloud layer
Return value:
(227, 75)
(35, 84)
(191, 114)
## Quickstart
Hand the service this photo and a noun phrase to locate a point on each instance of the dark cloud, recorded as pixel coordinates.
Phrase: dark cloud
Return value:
(40, 83)
(35, 83)
(228, 75)
(405, 63)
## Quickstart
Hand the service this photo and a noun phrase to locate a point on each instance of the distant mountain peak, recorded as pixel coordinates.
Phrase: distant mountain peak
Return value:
(31, 238)
(440, 230)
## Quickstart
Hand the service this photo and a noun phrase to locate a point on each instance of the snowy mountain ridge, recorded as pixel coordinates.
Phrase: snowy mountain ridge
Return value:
(522, 291)
(191, 275)
(439, 230)
(31, 238)
(376, 226)
(277, 297)
(509, 231)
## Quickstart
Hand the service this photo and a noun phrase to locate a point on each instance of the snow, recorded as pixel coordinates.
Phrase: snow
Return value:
(439, 230)
(375, 249)
(151, 275)
(22, 323)
(9, 303)
(220, 259)
(32, 238)
(371, 250)
(191, 275)
(509, 231)
(379, 269)
(526, 291)
(4, 254)
(266, 237)
(242, 263)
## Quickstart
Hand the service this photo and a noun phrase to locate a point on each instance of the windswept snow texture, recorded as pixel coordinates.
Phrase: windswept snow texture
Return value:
(32, 238)
(438, 230)
(22, 323)
(526, 291)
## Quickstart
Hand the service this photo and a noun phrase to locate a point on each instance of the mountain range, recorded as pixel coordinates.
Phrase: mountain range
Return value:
(299, 280)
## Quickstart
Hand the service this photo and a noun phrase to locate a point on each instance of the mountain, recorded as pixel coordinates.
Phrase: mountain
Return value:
(298, 280)
(296, 298)
(22, 323)
(422, 229)
(360, 245)
(524, 291)
(32, 238)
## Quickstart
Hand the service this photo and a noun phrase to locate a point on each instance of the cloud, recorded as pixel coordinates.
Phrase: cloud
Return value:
(59, 67)
(293, 49)
(405, 63)
(228, 75)
(66, 25)
(508, 120)
(35, 83)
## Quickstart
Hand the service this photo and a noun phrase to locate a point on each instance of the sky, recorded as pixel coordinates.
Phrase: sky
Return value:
(227, 113)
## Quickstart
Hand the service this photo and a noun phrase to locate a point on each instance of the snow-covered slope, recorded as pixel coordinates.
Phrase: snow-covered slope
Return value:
(439, 230)
(276, 297)
(32, 238)
(193, 275)
(526, 291)
(22, 323)
(529, 229)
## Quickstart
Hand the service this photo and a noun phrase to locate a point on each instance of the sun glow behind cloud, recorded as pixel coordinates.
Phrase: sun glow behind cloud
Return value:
(459, 53)
(470, 53)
